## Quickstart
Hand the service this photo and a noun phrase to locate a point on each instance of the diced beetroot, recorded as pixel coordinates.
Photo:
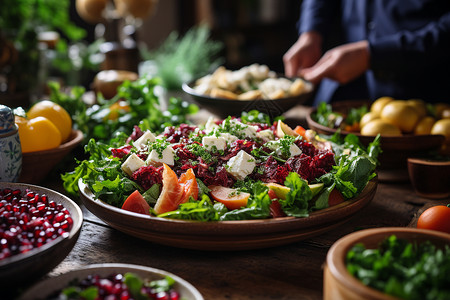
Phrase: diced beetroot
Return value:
(147, 176)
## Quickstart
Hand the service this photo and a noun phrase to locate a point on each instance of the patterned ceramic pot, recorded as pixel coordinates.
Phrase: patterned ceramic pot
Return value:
(10, 149)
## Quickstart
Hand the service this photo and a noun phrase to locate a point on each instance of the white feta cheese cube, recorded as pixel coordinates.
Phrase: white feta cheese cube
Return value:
(295, 150)
(167, 156)
(209, 142)
(210, 125)
(244, 129)
(229, 138)
(148, 136)
(241, 165)
(266, 135)
(132, 163)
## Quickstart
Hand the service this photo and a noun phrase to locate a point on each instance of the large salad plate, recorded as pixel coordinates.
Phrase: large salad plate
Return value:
(226, 235)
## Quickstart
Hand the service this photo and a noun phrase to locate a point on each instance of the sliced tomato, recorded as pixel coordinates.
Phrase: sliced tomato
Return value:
(272, 194)
(136, 203)
(231, 198)
(275, 209)
(171, 192)
(189, 185)
(335, 197)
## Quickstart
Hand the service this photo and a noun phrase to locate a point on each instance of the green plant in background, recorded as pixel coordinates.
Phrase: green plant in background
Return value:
(182, 59)
(20, 23)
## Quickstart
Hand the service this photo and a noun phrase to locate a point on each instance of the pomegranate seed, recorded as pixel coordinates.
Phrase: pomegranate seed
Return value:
(26, 221)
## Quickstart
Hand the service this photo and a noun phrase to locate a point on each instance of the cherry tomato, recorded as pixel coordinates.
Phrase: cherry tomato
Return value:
(435, 218)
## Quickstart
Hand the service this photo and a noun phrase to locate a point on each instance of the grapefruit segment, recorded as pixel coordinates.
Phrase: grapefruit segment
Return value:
(171, 192)
(189, 185)
(231, 198)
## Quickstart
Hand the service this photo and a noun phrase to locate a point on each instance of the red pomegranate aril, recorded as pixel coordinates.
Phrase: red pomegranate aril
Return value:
(125, 295)
(58, 218)
(162, 296)
(26, 221)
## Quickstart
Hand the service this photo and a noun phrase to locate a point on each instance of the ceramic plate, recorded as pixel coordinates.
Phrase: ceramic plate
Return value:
(39, 261)
(54, 284)
(226, 235)
(227, 107)
(396, 150)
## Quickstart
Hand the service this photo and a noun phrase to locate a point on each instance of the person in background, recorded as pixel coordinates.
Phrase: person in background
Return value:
(387, 48)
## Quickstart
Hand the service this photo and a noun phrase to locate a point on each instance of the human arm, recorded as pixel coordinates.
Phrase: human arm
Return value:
(314, 20)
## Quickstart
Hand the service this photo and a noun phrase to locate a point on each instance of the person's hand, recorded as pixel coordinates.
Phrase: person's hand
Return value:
(303, 54)
(343, 63)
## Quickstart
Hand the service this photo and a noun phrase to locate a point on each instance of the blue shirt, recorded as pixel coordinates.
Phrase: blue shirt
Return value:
(409, 42)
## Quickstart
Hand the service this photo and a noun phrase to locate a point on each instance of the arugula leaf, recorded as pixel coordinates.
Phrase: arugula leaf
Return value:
(152, 194)
(296, 202)
(201, 210)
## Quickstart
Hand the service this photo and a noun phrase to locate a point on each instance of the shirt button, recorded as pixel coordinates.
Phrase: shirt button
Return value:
(371, 25)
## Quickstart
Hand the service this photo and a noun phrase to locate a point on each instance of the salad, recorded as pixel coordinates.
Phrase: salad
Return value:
(232, 169)
(403, 269)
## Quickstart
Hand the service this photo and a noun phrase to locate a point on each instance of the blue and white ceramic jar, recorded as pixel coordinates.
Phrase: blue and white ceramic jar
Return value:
(10, 150)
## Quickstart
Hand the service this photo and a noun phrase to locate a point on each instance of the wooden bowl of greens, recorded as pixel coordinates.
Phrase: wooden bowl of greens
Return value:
(389, 263)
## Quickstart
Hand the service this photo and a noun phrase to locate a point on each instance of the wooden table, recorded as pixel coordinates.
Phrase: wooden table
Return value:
(285, 272)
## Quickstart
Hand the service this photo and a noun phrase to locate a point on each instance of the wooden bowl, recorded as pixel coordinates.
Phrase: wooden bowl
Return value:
(339, 284)
(228, 107)
(51, 285)
(23, 268)
(226, 235)
(37, 165)
(430, 178)
(396, 149)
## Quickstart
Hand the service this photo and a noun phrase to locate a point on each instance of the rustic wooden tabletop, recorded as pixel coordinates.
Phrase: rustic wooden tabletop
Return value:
(292, 271)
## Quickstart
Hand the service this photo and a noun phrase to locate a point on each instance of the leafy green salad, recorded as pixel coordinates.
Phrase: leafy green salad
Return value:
(258, 172)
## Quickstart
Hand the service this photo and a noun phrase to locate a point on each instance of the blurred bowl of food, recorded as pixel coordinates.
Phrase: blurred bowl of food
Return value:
(255, 87)
(388, 263)
(430, 178)
(38, 164)
(156, 284)
(38, 230)
(362, 118)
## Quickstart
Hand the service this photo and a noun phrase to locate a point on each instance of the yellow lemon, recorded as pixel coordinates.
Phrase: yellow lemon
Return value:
(37, 134)
(424, 126)
(419, 105)
(55, 113)
(442, 127)
(377, 105)
(370, 116)
(401, 115)
(379, 126)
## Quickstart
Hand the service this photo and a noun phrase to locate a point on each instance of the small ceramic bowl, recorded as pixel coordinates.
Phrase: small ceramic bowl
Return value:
(26, 267)
(51, 285)
(339, 284)
(430, 178)
(37, 165)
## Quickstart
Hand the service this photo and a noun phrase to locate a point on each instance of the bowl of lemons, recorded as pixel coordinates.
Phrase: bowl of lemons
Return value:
(46, 137)
(407, 128)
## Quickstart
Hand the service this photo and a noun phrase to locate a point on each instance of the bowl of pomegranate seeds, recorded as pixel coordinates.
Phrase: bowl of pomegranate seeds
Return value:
(38, 229)
(114, 281)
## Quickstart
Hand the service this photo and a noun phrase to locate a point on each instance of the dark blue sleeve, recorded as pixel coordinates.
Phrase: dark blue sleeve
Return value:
(429, 45)
(316, 15)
